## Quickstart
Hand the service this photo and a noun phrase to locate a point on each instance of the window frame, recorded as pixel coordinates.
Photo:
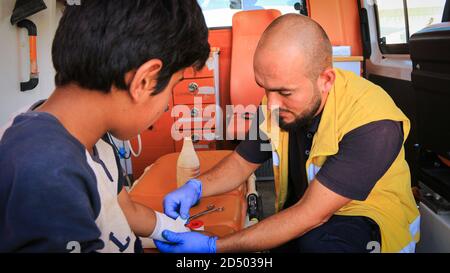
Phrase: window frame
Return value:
(303, 3)
(395, 48)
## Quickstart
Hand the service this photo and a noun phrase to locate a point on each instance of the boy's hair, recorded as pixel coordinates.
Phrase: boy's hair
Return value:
(99, 41)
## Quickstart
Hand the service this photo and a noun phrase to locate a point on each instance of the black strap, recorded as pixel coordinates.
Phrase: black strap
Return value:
(365, 35)
(446, 15)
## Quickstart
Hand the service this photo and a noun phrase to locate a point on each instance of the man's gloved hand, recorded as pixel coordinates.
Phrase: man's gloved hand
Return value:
(188, 242)
(178, 202)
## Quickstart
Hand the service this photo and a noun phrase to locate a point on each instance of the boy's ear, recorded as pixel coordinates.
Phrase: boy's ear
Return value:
(145, 79)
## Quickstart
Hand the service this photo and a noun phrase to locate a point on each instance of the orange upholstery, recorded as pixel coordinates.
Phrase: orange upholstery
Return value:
(340, 20)
(248, 27)
(160, 179)
(444, 160)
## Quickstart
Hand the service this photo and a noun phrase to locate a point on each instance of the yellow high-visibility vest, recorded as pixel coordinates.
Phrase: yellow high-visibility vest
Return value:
(352, 103)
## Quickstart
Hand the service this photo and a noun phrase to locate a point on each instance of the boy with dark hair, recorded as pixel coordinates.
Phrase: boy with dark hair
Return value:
(116, 64)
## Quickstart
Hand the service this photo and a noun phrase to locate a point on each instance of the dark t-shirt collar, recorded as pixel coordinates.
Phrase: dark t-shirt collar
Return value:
(311, 127)
(314, 125)
(36, 105)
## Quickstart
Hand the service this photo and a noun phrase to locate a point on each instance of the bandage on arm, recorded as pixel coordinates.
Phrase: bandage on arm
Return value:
(164, 222)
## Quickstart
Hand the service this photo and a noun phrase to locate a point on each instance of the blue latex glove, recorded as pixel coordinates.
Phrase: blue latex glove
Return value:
(180, 201)
(187, 242)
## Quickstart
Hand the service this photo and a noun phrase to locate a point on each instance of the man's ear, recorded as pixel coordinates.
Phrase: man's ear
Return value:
(145, 79)
(326, 79)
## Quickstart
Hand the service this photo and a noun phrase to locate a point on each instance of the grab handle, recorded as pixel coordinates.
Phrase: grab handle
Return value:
(34, 73)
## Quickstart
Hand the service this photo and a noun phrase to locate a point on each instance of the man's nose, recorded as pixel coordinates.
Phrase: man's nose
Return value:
(273, 102)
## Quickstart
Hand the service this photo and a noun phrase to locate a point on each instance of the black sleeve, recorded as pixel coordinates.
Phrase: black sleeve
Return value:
(365, 154)
(255, 148)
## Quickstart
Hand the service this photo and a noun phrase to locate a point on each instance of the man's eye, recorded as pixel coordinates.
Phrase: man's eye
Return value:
(285, 93)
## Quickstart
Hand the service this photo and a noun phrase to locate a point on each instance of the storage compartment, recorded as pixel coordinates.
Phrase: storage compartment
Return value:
(202, 90)
(198, 117)
(430, 54)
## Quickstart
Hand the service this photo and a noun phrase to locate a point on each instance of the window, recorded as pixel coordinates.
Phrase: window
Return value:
(219, 13)
(424, 13)
(399, 19)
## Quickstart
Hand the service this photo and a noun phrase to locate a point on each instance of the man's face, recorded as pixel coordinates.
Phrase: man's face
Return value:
(295, 111)
(290, 93)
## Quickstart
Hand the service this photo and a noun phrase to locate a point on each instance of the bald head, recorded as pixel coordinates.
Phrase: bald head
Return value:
(298, 40)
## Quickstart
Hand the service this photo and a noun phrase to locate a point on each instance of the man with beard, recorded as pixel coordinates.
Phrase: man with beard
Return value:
(341, 180)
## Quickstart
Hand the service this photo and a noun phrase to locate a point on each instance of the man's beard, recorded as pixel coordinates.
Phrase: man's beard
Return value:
(300, 120)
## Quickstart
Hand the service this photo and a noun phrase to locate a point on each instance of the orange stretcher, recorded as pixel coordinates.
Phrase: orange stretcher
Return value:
(160, 179)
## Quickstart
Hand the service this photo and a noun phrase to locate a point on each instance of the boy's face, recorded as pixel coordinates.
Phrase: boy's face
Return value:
(146, 111)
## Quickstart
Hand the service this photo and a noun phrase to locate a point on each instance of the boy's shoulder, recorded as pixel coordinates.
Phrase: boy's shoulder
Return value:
(38, 142)
(33, 132)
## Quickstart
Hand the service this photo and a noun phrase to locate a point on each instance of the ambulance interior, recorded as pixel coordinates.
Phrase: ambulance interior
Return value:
(401, 45)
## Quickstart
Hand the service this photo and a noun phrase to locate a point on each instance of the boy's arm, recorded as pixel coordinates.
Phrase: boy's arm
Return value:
(145, 222)
(141, 219)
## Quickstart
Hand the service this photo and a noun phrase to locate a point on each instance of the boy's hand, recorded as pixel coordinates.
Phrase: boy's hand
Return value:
(188, 242)
(179, 202)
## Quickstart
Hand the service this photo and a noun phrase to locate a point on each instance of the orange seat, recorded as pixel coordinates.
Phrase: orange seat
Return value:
(248, 26)
(160, 179)
(340, 20)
